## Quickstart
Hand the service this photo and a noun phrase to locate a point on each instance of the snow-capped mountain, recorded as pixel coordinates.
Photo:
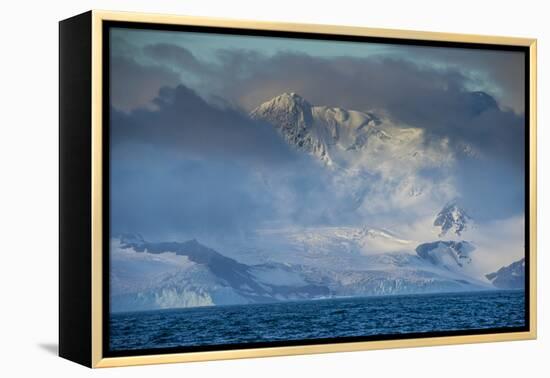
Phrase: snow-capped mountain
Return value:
(294, 119)
(339, 136)
(509, 277)
(376, 162)
(452, 219)
(146, 275)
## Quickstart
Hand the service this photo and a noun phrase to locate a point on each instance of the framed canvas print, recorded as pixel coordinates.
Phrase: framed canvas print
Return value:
(236, 189)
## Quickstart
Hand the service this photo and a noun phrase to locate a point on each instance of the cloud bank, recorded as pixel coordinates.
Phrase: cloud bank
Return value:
(188, 159)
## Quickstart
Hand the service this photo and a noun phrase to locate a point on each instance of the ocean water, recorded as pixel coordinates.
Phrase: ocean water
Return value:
(316, 319)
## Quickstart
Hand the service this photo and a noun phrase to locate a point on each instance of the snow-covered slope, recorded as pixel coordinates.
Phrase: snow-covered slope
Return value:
(337, 246)
(146, 275)
(344, 137)
(509, 277)
(141, 280)
(293, 117)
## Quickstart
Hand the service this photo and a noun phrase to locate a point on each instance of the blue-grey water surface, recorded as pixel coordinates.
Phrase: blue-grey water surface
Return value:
(315, 319)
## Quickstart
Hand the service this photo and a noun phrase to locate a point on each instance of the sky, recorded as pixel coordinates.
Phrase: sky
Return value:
(187, 160)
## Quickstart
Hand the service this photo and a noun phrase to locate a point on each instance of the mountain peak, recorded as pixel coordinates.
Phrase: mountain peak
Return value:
(452, 219)
(292, 95)
(293, 117)
(321, 131)
(285, 102)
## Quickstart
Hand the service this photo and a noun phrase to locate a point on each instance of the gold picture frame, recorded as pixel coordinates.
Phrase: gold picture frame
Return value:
(92, 354)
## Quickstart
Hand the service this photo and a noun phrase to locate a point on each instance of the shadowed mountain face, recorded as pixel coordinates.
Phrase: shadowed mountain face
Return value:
(448, 254)
(234, 273)
(509, 277)
(452, 219)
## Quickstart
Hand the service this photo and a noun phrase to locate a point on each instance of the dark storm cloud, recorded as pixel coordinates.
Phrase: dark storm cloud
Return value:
(434, 99)
(352, 83)
(183, 121)
(176, 55)
(134, 85)
(192, 167)
(503, 68)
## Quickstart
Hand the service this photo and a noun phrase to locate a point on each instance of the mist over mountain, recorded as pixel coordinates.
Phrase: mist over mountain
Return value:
(323, 202)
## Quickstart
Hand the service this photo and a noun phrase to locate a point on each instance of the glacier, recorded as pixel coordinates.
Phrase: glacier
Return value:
(158, 275)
